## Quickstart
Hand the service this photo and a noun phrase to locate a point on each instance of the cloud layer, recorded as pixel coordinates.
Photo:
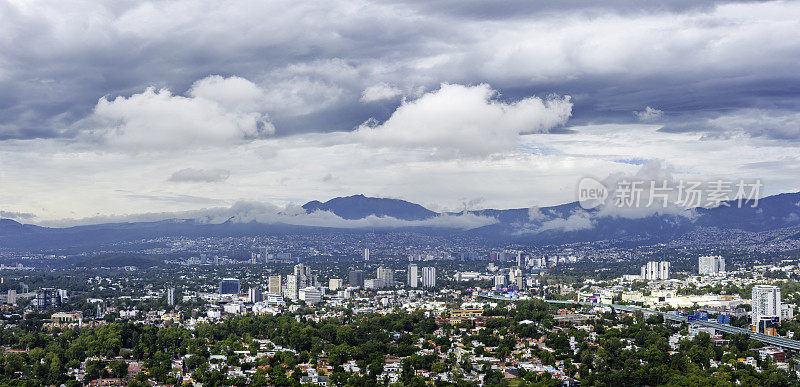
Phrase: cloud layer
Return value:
(249, 211)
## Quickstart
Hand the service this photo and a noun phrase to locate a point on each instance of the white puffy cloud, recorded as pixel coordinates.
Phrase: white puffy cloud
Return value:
(200, 175)
(381, 91)
(466, 119)
(216, 111)
(649, 114)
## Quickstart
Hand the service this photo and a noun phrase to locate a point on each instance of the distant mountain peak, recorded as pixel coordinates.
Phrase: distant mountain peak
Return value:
(360, 206)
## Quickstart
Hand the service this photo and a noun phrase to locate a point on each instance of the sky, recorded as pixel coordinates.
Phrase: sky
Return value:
(114, 110)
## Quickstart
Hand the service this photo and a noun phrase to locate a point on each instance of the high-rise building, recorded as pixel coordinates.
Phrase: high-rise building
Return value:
(335, 284)
(387, 275)
(520, 260)
(47, 298)
(711, 265)
(663, 270)
(413, 275)
(229, 286)
(275, 284)
(356, 278)
(429, 277)
(292, 287)
(303, 277)
(654, 270)
(366, 254)
(766, 303)
(254, 294)
(171, 296)
(500, 281)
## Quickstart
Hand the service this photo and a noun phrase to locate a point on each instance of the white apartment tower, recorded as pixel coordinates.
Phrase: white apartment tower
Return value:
(413, 275)
(292, 287)
(654, 270)
(429, 277)
(663, 270)
(766, 302)
(711, 265)
(366, 254)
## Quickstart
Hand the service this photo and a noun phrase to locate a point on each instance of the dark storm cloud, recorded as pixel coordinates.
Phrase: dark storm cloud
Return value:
(691, 60)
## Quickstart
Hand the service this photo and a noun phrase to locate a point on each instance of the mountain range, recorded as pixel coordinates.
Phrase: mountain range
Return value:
(565, 223)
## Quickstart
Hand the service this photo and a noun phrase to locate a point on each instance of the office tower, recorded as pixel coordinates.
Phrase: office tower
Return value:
(520, 260)
(387, 275)
(275, 284)
(310, 295)
(366, 254)
(335, 284)
(413, 275)
(12, 297)
(429, 277)
(292, 287)
(663, 270)
(711, 265)
(356, 278)
(254, 294)
(229, 286)
(171, 296)
(766, 303)
(500, 281)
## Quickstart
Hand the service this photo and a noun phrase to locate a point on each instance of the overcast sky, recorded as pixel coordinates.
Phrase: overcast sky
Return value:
(128, 107)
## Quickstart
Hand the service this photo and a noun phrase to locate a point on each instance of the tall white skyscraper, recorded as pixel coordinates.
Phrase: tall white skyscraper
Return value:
(663, 270)
(292, 287)
(366, 254)
(171, 296)
(429, 277)
(413, 275)
(766, 302)
(655, 270)
(711, 265)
